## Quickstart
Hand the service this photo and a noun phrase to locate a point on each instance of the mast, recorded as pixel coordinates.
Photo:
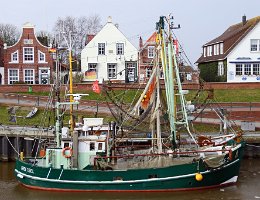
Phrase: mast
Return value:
(172, 81)
(168, 77)
(69, 48)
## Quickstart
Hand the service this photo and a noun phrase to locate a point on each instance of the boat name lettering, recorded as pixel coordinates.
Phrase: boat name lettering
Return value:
(25, 169)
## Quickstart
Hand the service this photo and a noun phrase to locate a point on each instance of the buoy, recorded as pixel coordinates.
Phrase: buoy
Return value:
(42, 153)
(198, 177)
(65, 154)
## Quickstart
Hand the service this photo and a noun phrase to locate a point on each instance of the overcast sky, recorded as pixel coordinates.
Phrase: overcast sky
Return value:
(200, 20)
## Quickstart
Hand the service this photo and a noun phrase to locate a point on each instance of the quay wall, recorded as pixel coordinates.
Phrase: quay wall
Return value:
(79, 87)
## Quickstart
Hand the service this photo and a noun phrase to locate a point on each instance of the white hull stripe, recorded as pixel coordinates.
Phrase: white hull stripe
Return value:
(115, 182)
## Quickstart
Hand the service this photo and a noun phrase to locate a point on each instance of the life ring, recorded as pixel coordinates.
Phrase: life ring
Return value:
(64, 152)
(205, 142)
(230, 156)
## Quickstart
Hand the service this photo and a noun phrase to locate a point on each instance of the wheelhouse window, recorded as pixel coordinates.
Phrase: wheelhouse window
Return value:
(239, 69)
(13, 76)
(101, 48)
(150, 51)
(14, 57)
(100, 146)
(256, 69)
(111, 70)
(28, 54)
(41, 57)
(92, 146)
(120, 49)
(29, 76)
(247, 69)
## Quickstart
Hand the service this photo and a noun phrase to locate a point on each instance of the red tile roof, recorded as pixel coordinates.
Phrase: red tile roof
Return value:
(230, 38)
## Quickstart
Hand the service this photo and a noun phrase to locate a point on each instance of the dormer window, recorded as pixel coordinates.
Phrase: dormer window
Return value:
(204, 51)
(14, 57)
(41, 57)
(28, 55)
(209, 51)
(150, 51)
(221, 48)
(217, 49)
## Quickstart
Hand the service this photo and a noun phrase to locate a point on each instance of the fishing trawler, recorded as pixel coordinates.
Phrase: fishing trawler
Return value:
(87, 158)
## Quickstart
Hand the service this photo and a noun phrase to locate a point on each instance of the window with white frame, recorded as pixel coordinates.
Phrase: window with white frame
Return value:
(111, 70)
(29, 76)
(239, 69)
(150, 51)
(119, 48)
(220, 69)
(204, 51)
(209, 50)
(101, 48)
(41, 57)
(247, 69)
(217, 49)
(92, 67)
(221, 48)
(256, 69)
(255, 45)
(148, 72)
(13, 76)
(14, 57)
(28, 54)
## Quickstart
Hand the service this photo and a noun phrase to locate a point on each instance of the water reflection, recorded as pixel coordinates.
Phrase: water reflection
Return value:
(246, 189)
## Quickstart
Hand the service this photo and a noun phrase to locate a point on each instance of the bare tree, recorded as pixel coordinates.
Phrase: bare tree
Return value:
(9, 34)
(44, 37)
(77, 29)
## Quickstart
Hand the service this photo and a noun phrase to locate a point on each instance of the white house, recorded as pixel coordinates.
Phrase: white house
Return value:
(109, 56)
(234, 56)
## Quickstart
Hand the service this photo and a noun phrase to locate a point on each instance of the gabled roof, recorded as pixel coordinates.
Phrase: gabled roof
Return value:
(151, 40)
(230, 38)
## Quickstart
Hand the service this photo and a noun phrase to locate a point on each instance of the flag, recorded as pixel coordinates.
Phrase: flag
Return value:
(176, 44)
(90, 74)
(95, 87)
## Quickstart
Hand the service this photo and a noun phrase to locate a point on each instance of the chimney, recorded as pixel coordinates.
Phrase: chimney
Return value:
(89, 38)
(244, 20)
(109, 19)
(140, 42)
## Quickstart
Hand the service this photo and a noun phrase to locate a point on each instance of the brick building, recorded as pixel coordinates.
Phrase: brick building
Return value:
(146, 55)
(28, 61)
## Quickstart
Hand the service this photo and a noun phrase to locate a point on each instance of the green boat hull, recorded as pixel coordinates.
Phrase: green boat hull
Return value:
(177, 177)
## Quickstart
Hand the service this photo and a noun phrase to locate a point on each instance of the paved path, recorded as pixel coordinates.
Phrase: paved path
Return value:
(91, 106)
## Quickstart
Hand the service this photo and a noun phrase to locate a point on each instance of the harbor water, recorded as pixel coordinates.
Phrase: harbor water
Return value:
(247, 188)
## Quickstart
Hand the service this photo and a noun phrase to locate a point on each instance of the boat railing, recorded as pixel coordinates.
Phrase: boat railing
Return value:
(175, 153)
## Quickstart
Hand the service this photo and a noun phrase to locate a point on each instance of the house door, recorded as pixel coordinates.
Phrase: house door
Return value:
(131, 72)
(44, 76)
